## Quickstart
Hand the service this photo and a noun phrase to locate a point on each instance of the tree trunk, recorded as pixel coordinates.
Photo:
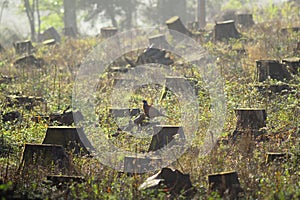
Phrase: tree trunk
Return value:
(30, 15)
(201, 13)
(70, 16)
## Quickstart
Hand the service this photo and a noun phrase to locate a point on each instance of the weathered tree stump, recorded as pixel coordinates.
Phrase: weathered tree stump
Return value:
(137, 165)
(50, 34)
(71, 138)
(23, 47)
(159, 41)
(250, 119)
(272, 69)
(277, 157)
(172, 181)
(226, 184)
(165, 134)
(107, 32)
(46, 158)
(29, 61)
(124, 112)
(245, 20)
(175, 24)
(293, 64)
(225, 30)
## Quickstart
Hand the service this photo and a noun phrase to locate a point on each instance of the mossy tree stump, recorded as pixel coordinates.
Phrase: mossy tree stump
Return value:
(249, 122)
(137, 165)
(175, 24)
(272, 69)
(165, 134)
(71, 138)
(226, 184)
(45, 158)
(225, 30)
(107, 32)
(23, 47)
(250, 119)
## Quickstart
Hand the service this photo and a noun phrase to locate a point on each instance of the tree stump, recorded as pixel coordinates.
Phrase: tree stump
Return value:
(175, 24)
(107, 32)
(45, 158)
(277, 157)
(250, 119)
(272, 69)
(165, 134)
(160, 42)
(50, 34)
(226, 184)
(172, 181)
(245, 20)
(29, 61)
(124, 112)
(225, 30)
(23, 47)
(71, 138)
(137, 165)
(293, 64)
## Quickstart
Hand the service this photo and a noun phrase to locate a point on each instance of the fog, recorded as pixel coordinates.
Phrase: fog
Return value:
(14, 18)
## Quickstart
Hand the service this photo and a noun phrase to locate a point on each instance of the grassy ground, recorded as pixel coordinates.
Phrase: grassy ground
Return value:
(260, 180)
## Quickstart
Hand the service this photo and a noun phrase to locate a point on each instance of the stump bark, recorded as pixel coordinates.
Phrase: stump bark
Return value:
(272, 69)
(175, 24)
(250, 119)
(23, 47)
(225, 30)
(49, 34)
(71, 138)
(165, 134)
(159, 41)
(45, 158)
(226, 184)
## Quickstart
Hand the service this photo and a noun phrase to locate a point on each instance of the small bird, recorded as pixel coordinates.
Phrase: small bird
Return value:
(150, 111)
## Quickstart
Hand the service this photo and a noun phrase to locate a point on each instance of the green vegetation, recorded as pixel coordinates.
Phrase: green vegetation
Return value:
(260, 180)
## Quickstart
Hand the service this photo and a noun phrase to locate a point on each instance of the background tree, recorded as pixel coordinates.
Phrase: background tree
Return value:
(70, 15)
